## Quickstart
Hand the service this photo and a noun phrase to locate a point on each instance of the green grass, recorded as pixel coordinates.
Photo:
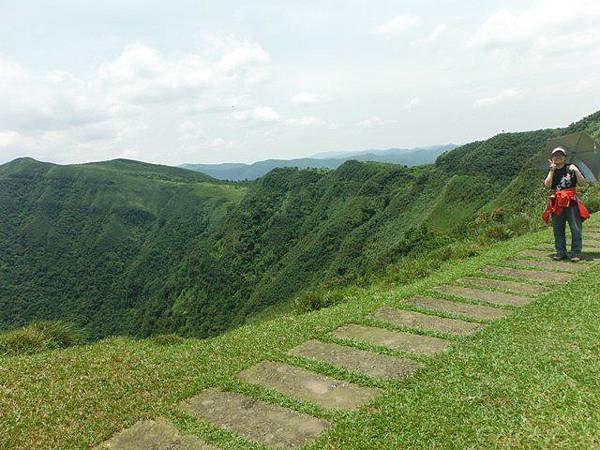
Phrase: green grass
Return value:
(531, 380)
(38, 337)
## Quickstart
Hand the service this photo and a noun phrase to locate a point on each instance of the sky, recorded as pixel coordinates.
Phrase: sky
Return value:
(232, 81)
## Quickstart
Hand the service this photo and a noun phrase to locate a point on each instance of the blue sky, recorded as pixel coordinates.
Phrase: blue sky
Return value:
(190, 81)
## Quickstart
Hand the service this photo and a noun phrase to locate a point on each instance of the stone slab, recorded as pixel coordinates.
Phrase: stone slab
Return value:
(498, 298)
(536, 253)
(353, 359)
(309, 386)
(415, 319)
(515, 286)
(566, 266)
(592, 234)
(154, 435)
(397, 340)
(463, 309)
(550, 248)
(532, 275)
(268, 424)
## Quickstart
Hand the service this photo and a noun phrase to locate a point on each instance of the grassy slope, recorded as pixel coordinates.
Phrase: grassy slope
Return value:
(528, 381)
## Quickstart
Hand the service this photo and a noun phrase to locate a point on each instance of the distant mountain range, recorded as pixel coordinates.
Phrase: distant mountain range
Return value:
(329, 160)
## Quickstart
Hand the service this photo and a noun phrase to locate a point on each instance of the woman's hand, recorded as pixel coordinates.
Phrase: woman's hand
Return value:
(552, 165)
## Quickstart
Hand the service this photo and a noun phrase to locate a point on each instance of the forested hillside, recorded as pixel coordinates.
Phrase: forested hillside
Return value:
(124, 247)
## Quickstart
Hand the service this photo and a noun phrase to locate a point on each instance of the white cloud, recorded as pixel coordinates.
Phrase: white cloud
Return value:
(305, 98)
(434, 36)
(412, 103)
(123, 104)
(552, 26)
(374, 121)
(398, 24)
(258, 114)
(305, 121)
(506, 95)
(142, 75)
(58, 101)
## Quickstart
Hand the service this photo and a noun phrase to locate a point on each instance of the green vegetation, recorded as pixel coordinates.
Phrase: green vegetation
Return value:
(38, 337)
(129, 248)
(527, 381)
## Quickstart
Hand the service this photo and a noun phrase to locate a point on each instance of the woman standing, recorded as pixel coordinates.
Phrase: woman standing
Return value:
(564, 206)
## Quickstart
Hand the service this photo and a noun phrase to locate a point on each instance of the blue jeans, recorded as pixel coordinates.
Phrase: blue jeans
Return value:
(571, 215)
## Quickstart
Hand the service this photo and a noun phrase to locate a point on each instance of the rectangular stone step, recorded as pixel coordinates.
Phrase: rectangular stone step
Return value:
(592, 234)
(550, 248)
(309, 386)
(532, 275)
(463, 309)
(415, 319)
(515, 286)
(353, 359)
(396, 340)
(498, 298)
(268, 424)
(566, 266)
(156, 435)
(537, 253)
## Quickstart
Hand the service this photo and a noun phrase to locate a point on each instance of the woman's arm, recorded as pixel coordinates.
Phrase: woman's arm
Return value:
(548, 180)
(580, 178)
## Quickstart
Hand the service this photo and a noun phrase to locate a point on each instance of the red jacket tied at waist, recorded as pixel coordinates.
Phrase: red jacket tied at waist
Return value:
(562, 199)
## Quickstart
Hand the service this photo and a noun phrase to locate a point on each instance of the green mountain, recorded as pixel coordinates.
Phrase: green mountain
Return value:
(241, 171)
(123, 247)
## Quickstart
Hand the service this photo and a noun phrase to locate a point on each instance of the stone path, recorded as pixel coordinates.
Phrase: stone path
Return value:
(271, 425)
(531, 275)
(353, 359)
(461, 309)
(536, 253)
(565, 266)
(513, 286)
(156, 435)
(499, 298)
(274, 426)
(588, 246)
(413, 319)
(308, 386)
(397, 340)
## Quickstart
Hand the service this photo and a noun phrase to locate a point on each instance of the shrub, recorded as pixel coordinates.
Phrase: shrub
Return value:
(313, 300)
(167, 339)
(40, 336)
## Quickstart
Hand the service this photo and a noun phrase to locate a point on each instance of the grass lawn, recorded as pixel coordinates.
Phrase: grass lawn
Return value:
(531, 380)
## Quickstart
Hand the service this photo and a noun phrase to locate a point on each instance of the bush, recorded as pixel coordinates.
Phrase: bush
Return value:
(314, 300)
(40, 336)
(167, 339)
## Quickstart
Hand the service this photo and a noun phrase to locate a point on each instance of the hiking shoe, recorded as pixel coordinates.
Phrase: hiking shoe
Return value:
(575, 259)
(559, 257)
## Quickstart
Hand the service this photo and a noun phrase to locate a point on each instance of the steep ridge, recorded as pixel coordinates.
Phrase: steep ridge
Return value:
(131, 248)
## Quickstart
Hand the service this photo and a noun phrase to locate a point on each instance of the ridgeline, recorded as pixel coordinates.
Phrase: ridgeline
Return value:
(129, 248)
